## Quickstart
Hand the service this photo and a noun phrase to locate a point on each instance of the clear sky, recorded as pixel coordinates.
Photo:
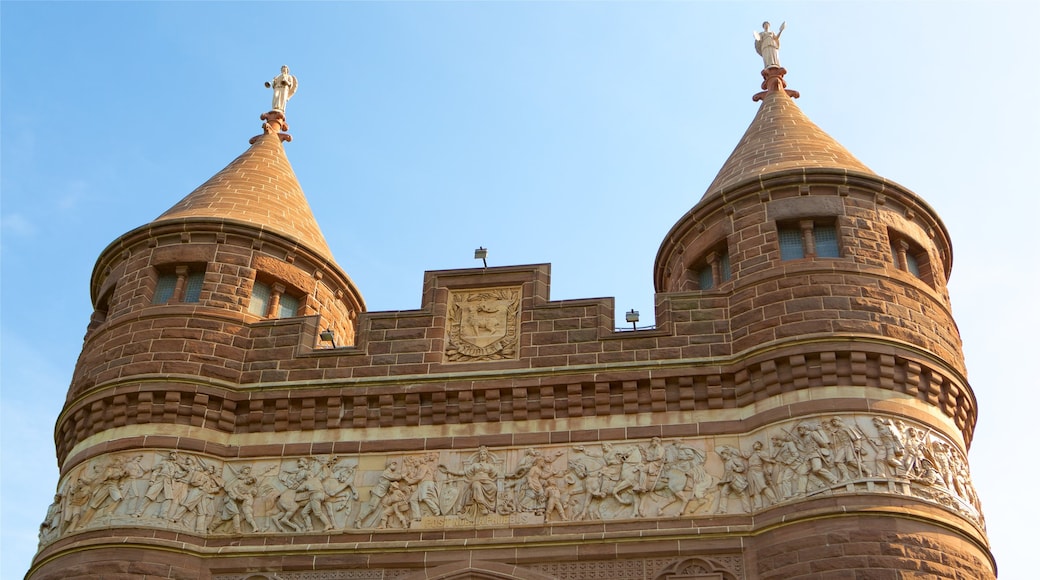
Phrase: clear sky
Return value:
(573, 133)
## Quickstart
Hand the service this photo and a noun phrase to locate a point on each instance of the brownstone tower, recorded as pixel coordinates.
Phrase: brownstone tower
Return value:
(799, 410)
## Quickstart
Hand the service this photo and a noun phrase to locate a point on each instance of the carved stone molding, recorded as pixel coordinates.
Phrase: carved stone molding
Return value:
(229, 411)
(507, 487)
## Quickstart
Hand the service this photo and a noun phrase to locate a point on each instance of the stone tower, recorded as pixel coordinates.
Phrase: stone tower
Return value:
(800, 408)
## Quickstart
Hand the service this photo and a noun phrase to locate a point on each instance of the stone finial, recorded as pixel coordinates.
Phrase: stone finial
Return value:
(767, 44)
(773, 80)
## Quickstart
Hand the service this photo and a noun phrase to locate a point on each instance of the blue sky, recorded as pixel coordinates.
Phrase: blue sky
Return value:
(574, 133)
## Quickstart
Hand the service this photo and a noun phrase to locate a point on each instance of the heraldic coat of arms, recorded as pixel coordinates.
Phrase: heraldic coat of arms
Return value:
(483, 325)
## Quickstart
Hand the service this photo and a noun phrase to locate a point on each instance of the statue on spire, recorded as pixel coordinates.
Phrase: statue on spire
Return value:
(767, 44)
(284, 86)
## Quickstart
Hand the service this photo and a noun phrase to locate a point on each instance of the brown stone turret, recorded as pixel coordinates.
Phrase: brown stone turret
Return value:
(184, 294)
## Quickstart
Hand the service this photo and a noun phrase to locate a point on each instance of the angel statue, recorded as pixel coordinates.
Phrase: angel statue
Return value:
(284, 86)
(767, 44)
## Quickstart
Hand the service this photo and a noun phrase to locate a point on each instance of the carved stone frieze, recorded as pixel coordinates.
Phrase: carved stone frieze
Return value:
(506, 487)
(483, 324)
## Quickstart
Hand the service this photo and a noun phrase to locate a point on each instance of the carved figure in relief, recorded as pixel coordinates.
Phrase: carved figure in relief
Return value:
(943, 458)
(621, 474)
(734, 480)
(787, 466)
(653, 461)
(965, 489)
(284, 86)
(682, 477)
(582, 480)
(134, 485)
(304, 495)
(913, 460)
(759, 478)
(51, 526)
(239, 494)
(532, 475)
(395, 503)
(107, 492)
(847, 449)
(76, 499)
(554, 502)
(166, 486)
(481, 474)
(375, 498)
(889, 446)
(420, 475)
(203, 486)
(767, 45)
(341, 491)
(813, 445)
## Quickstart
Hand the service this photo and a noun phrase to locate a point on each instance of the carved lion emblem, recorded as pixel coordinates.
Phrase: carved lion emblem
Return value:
(483, 325)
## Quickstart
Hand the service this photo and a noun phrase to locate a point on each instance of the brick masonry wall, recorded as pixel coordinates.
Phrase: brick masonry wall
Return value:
(130, 336)
(867, 547)
(860, 293)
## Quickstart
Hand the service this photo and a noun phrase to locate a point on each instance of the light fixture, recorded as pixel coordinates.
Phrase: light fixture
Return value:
(328, 336)
(633, 317)
(480, 254)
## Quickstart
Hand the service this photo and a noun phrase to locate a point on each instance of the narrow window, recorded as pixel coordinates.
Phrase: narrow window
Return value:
(724, 271)
(713, 269)
(808, 239)
(791, 247)
(193, 286)
(164, 288)
(705, 279)
(825, 238)
(260, 300)
(287, 306)
(909, 257)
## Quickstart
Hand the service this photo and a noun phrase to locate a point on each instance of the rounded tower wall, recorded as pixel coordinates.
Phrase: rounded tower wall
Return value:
(180, 298)
(799, 255)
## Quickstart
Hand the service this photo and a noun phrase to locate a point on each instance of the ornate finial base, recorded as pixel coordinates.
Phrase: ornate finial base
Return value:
(274, 123)
(773, 80)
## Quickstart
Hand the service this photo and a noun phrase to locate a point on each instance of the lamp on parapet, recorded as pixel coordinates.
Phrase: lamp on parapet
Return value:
(633, 317)
(480, 254)
(328, 336)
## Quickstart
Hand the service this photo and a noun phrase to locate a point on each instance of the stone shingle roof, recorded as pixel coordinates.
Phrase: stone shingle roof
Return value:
(781, 137)
(259, 188)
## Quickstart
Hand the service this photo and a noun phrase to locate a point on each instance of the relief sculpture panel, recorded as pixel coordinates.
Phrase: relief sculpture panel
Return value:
(510, 486)
(483, 324)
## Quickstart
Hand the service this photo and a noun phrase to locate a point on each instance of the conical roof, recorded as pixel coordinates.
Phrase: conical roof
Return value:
(781, 137)
(258, 188)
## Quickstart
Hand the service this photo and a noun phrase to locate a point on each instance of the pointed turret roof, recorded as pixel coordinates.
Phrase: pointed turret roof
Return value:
(780, 138)
(258, 188)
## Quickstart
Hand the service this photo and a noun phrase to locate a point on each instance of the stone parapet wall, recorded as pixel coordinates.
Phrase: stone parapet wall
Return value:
(660, 391)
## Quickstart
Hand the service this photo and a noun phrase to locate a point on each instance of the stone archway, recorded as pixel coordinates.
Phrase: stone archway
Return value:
(698, 568)
(477, 570)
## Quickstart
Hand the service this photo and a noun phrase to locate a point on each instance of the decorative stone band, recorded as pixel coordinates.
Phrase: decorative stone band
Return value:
(825, 455)
(683, 386)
